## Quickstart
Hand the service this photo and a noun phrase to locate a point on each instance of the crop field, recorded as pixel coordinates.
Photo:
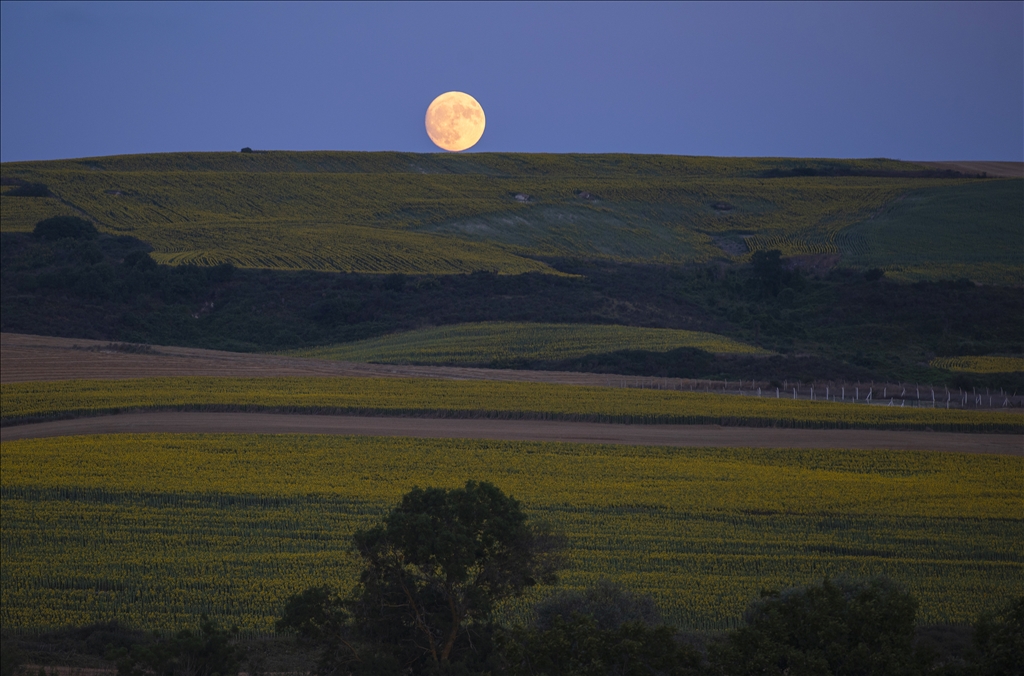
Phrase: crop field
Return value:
(957, 229)
(28, 401)
(487, 342)
(155, 529)
(399, 212)
(980, 364)
(22, 213)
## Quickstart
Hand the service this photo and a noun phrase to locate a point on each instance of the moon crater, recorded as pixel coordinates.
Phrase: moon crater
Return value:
(455, 121)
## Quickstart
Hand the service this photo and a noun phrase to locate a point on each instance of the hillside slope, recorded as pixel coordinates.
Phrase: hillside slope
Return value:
(507, 213)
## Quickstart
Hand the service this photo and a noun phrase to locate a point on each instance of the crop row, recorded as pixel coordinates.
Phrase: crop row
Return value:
(19, 214)
(153, 529)
(508, 341)
(980, 364)
(423, 396)
(339, 247)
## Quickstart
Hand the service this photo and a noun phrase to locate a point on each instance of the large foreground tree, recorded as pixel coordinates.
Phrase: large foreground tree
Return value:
(433, 572)
(440, 563)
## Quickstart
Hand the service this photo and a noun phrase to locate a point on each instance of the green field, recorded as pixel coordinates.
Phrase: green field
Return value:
(951, 230)
(23, 402)
(155, 529)
(497, 342)
(417, 214)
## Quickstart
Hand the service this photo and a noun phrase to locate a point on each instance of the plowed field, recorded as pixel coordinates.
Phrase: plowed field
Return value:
(26, 358)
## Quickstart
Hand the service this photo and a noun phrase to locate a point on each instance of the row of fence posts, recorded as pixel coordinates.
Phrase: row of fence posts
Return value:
(964, 399)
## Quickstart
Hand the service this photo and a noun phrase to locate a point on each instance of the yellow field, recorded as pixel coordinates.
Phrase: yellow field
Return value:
(485, 342)
(980, 364)
(404, 396)
(154, 529)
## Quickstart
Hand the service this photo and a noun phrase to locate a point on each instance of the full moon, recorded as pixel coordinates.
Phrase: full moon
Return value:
(455, 121)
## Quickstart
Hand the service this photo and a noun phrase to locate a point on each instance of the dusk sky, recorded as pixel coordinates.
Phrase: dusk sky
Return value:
(915, 81)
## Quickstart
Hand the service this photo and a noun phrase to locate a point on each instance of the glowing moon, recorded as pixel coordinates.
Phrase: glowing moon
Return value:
(455, 121)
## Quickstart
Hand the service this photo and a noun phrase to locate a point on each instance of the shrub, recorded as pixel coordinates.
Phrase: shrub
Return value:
(842, 627)
(607, 603)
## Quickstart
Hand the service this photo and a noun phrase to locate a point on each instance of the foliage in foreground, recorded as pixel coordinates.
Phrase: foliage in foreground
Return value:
(208, 652)
(582, 645)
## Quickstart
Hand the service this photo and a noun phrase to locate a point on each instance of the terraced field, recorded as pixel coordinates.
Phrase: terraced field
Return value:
(395, 212)
(490, 342)
(154, 529)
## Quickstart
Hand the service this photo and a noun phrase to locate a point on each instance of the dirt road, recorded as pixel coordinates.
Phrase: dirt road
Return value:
(521, 430)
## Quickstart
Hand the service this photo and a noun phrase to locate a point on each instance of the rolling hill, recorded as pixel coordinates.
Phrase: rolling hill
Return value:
(445, 214)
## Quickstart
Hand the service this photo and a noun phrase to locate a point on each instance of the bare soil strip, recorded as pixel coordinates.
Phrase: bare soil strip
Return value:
(994, 169)
(520, 430)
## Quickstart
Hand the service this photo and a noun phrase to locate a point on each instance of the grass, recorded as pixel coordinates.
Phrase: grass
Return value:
(155, 529)
(497, 342)
(417, 214)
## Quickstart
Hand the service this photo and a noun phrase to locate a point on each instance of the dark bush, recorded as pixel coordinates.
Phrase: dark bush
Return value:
(139, 260)
(65, 227)
(607, 603)
(842, 628)
(11, 659)
(211, 651)
(579, 646)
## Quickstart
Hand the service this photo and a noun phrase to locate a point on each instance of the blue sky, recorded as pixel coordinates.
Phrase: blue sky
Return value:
(918, 81)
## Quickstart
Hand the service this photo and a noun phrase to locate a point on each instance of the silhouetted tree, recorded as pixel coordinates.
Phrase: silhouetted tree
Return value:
(65, 227)
(434, 571)
(768, 271)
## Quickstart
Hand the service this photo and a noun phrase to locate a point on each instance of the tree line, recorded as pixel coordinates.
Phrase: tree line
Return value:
(66, 279)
